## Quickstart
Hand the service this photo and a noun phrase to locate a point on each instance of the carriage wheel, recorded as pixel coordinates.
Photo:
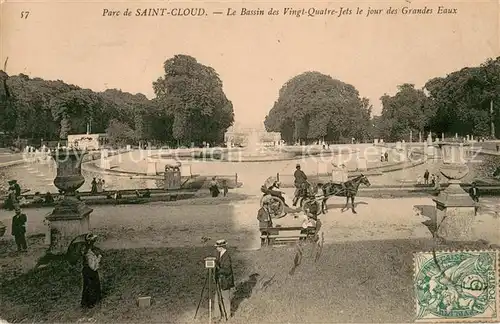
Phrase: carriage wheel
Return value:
(277, 207)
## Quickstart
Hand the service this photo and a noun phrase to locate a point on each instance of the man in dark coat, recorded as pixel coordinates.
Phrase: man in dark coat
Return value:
(264, 217)
(474, 192)
(93, 186)
(19, 229)
(13, 195)
(300, 179)
(224, 278)
(426, 176)
(17, 189)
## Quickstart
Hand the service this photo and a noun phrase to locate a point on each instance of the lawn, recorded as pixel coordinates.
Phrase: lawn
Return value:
(369, 281)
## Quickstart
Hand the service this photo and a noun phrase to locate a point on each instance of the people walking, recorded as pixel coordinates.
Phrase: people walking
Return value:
(91, 293)
(224, 279)
(426, 177)
(19, 229)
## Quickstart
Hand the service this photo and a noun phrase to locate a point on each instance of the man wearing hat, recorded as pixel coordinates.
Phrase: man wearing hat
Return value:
(224, 278)
(474, 192)
(264, 216)
(300, 179)
(11, 199)
(19, 229)
(17, 188)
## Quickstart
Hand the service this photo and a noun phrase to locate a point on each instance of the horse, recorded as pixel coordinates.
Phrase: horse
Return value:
(350, 191)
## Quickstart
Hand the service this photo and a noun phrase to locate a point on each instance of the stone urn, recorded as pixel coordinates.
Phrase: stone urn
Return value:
(69, 170)
(70, 217)
(455, 208)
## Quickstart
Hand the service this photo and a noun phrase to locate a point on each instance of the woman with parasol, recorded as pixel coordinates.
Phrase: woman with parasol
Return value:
(91, 258)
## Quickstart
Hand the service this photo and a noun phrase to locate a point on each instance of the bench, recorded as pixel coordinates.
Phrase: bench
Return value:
(270, 236)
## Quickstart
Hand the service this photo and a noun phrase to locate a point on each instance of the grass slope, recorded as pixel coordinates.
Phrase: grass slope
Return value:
(368, 281)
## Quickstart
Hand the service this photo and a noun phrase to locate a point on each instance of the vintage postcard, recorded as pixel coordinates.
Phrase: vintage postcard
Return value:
(284, 161)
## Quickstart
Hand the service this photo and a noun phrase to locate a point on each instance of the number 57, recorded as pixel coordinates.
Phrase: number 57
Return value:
(25, 14)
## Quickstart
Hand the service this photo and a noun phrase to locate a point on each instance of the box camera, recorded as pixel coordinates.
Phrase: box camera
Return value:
(209, 262)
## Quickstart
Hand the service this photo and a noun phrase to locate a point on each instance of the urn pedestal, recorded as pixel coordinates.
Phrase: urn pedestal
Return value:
(455, 208)
(70, 217)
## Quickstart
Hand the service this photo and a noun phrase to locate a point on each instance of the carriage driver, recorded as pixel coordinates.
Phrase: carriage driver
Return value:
(300, 180)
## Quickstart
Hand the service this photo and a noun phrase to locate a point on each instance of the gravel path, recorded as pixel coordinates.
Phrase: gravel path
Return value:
(191, 222)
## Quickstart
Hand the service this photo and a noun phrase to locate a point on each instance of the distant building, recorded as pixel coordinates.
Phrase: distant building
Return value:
(87, 142)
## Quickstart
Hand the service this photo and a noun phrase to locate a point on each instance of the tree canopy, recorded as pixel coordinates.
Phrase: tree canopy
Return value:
(190, 107)
(456, 103)
(313, 106)
(192, 94)
(408, 110)
(42, 109)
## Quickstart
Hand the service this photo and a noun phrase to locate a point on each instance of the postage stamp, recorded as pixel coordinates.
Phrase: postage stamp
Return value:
(456, 286)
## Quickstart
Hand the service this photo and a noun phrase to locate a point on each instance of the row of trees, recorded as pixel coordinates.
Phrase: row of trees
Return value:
(190, 106)
(463, 102)
(313, 106)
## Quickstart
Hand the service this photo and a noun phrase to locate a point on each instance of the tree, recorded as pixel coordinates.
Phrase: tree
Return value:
(313, 106)
(408, 110)
(192, 94)
(75, 109)
(29, 114)
(462, 99)
(120, 134)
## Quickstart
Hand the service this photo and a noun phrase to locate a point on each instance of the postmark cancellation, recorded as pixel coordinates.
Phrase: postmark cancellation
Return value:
(457, 286)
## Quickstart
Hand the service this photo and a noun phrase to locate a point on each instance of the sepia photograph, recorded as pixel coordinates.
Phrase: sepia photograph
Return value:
(250, 162)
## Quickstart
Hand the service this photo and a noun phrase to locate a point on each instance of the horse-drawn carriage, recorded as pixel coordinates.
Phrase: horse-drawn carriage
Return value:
(276, 200)
(311, 200)
(308, 195)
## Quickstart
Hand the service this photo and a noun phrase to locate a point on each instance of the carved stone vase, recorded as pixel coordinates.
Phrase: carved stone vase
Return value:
(455, 208)
(70, 217)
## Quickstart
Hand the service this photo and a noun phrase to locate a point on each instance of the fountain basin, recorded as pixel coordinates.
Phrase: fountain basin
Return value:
(248, 155)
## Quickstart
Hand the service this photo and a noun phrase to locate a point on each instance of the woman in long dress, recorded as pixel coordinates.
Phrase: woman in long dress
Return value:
(99, 185)
(91, 294)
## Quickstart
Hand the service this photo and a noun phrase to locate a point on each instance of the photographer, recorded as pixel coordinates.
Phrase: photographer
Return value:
(224, 278)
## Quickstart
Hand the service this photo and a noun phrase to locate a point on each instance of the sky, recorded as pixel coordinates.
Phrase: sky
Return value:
(254, 55)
